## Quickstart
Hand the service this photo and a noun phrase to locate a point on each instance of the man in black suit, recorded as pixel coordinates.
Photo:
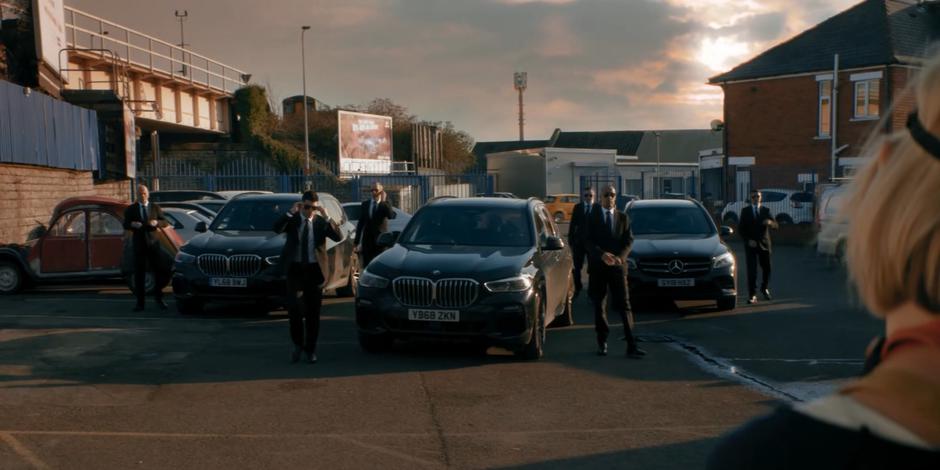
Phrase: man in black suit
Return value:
(307, 226)
(754, 226)
(373, 220)
(577, 235)
(143, 219)
(609, 243)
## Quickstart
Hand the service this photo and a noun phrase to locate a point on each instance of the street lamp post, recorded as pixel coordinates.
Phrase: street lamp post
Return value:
(303, 65)
(659, 177)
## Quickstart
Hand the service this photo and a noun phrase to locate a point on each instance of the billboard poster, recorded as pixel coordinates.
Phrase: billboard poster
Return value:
(49, 23)
(365, 143)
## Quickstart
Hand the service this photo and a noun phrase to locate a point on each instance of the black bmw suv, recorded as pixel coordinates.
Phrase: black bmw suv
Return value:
(678, 254)
(237, 256)
(489, 270)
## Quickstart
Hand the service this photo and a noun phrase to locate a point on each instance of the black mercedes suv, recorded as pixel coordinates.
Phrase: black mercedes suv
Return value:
(678, 254)
(489, 270)
(237, 256)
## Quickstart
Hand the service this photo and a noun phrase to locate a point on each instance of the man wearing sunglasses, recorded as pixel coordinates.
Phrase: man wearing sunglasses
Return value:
(609, 241)
(756, 222)
(577, 234)
(373, 220)
(307, 226)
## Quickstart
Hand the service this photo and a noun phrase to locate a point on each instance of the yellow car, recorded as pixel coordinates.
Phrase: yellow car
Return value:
(561, 205)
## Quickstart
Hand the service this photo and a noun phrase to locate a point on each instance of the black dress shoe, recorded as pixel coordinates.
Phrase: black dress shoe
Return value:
(295, 356)
(602, 349)
(312, 358)
(766, 293)
(752, 299)
(636, 353)
(162, 304)
(139, 308)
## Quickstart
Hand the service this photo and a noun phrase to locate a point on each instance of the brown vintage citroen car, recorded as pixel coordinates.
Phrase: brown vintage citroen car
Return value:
(85, 240)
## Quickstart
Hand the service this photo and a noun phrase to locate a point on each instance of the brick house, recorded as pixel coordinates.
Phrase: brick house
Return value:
(781, 126)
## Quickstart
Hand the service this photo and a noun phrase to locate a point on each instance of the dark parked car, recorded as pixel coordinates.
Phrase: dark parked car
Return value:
(184, 195)
(214, 205)
(237, 257)
(490, 270)
(85, 240)
(394, 225)
(210, 214)
(498, 194)
(678, 254)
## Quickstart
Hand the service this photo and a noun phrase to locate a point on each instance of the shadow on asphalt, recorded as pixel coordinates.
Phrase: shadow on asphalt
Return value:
(685, 455)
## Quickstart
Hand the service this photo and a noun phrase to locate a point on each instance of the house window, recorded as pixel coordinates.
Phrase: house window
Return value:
(867, 98)
(825, 108)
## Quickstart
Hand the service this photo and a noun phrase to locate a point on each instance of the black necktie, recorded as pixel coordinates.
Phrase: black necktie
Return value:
(143, 212)
(610, 225)
(305, 242)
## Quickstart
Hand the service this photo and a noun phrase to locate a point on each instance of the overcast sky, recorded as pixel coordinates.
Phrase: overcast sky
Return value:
(591, 64)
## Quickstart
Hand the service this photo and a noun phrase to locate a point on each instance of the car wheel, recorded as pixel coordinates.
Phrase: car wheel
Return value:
(536, 347)
(352, 284)
(11, 278)
(783, 219)
(567, 315)
(727, 303)
(375, 343)
(730, 219)
(189, 306)
(559, 217)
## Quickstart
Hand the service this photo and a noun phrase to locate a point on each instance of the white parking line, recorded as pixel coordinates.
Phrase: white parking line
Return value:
(22, 451)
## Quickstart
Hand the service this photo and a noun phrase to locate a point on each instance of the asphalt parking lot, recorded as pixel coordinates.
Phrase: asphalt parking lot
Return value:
(86, 383)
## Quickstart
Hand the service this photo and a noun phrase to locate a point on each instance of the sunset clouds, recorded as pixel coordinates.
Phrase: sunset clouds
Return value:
(592, 64)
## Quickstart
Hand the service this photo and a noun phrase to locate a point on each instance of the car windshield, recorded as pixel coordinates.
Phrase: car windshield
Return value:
(250, 215)
(652, 222)
(470, 226)
(352, 211)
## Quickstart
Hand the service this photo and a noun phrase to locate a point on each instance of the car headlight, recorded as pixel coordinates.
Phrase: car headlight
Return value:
(631, 264)
(184, 258)
(367, 279)
(513, 284)
(723, 261)
(272, 259)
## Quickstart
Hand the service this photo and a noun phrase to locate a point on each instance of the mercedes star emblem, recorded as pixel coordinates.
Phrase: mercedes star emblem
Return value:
(676, 266)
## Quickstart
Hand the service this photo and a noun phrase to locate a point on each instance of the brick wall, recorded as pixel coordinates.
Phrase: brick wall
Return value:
(30, 193)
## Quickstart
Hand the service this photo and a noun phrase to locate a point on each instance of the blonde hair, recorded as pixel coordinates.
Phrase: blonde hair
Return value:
(893, 246)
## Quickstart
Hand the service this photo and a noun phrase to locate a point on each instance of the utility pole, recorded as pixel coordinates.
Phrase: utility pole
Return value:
(520, 80)
(303, 65)
(182, 17)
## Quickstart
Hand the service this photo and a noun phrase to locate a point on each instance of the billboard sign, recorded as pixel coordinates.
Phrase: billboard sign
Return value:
(365, 143)
(49, 23)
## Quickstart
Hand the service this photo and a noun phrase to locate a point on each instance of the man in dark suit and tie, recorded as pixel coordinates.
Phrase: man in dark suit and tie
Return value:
(754, 226)
(577, 235)
(307, 226)
(609, 243)
(373, 220)
(143, 219)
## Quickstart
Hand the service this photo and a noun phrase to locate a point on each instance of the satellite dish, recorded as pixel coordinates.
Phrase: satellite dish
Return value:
(717, 125)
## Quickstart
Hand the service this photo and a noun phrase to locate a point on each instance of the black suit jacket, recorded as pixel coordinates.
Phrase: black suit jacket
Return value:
(754, 228)
(289, 223)
(144, 236)
(578, 228)
(601, 240)
(370, 226)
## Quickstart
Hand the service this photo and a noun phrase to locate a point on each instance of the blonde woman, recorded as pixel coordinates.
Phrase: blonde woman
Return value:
(890, 418)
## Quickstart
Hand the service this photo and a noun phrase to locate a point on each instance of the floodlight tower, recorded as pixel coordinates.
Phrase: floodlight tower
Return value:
(519, 82)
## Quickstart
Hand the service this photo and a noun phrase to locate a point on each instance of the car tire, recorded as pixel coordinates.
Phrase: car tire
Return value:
(375, 344)
(11, 278)
(730, 219)
(559, 217)
(727, 303)
(567, 315)
(189, 306)
(784, 219)
(351, 287)
(536, 347)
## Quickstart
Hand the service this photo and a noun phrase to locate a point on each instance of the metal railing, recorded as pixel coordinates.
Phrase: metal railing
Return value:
(86, 31)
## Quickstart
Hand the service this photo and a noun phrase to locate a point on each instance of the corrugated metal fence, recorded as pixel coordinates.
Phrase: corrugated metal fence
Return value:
(37, 129)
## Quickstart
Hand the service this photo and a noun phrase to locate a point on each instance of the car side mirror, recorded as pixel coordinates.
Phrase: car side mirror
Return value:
(552, 244)
(202, 227)
(726, 231)
(387, 239)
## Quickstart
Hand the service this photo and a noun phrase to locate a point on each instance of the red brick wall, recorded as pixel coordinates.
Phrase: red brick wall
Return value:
(30, 193)
(776, 122)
